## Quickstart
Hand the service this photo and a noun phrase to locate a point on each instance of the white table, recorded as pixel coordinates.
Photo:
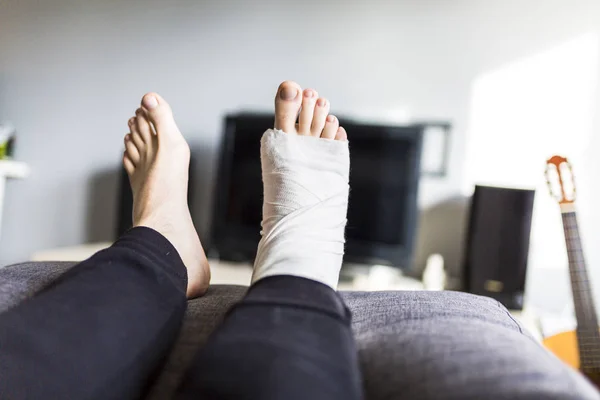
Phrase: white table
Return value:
(358, 278)
(221, 272)
(10, 170)
(224, 272)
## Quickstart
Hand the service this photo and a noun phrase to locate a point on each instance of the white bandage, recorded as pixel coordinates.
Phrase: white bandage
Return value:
(304, 211)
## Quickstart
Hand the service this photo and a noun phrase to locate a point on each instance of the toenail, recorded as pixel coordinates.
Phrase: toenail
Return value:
(288, 93)
(330, 118)
(308, 93)
(150, 102)
(321, 102)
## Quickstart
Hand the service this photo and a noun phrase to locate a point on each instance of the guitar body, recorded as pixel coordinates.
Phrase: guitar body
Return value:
(565, 346)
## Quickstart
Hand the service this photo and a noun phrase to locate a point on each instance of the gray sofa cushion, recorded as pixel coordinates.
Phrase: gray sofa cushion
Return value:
(412, 345)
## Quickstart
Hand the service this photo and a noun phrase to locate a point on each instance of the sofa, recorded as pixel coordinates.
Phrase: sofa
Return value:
(411, 345)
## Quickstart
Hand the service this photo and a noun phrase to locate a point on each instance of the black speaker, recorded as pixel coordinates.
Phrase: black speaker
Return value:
(498, 244)
(125, 199)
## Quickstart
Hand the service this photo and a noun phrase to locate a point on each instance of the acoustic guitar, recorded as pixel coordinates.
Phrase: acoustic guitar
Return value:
(580, 348)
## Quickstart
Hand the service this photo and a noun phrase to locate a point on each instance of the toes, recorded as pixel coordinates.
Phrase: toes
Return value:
(309, 98)
(128, 164)
(131, 150)
(143, 125)
(158, 112)
(287, 104)
(320, 114)
(136, 138)
(341, 134)
(331, 127)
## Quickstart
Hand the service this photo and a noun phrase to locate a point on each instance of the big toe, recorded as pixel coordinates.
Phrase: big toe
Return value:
(158, 111)
(287, 105)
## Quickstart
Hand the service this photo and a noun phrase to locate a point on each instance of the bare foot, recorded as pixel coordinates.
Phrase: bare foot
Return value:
(313, 120)
(157, 160)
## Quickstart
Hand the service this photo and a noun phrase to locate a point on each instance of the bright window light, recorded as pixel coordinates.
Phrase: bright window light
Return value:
(525, 112)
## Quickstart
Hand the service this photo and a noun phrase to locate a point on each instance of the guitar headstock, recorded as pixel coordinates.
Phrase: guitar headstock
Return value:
(561, 183)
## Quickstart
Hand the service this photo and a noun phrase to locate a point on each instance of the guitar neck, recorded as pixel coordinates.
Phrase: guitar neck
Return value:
(588, 335)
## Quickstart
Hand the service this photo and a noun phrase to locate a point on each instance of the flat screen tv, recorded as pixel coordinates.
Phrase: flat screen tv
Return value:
(384, 183)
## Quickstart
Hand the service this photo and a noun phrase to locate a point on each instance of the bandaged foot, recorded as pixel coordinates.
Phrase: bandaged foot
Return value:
(305, 169)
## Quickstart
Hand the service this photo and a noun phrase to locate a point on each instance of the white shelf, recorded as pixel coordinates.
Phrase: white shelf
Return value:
(10, 169)
(13, 169)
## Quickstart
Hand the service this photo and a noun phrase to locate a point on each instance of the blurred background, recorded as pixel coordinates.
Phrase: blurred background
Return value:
(515, 80)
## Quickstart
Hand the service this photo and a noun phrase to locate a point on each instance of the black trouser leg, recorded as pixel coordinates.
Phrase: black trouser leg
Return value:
(101, 330)
(289, 338)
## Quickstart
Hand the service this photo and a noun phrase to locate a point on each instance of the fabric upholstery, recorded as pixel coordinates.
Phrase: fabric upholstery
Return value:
(412, 345)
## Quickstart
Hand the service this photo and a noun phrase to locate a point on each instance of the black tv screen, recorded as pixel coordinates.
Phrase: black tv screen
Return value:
(384, 180)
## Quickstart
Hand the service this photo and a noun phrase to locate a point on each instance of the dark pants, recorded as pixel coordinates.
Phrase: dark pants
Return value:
(103, 329)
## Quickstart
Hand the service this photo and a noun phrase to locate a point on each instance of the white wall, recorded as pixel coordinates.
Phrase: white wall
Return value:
(72, 72)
